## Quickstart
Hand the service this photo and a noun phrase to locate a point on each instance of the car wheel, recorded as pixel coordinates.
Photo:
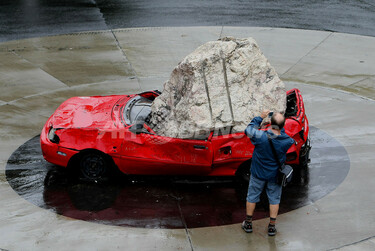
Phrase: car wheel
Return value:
(94, 166)
(243, 173)
(304, 158)
(302, 170)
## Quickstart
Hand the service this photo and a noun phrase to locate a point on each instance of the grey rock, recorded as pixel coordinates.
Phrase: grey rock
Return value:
(222, 85)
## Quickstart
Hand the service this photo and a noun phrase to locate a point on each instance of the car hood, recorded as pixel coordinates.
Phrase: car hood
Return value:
(85, 112)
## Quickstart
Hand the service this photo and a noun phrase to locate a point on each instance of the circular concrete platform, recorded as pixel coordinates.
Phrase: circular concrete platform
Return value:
(36, 75)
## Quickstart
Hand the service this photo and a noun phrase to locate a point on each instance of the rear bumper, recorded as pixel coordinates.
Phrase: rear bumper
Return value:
(299, 155)
(292, 156)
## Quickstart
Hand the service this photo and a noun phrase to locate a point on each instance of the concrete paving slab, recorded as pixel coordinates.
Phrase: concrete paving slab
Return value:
(282, 47)
(123, 86)
(17, 123)
(96, 90)
(75, 59)
(156, 51)
(363, 87)
(6, 150)
(365, 245)
(46, 103)
(19, 78)
(152, 83)
(339, 61)
(43, 105)
(233, 238)
(16, 126)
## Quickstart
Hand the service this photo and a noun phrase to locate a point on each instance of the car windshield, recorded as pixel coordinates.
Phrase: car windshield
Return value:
(136, 110)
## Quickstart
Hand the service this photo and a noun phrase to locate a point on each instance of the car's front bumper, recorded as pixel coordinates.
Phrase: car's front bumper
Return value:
(54, 153)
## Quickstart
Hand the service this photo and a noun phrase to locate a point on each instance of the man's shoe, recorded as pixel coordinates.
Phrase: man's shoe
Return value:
(272, 230)
(247, 226)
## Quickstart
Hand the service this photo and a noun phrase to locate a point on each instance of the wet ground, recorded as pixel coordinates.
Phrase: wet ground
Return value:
(168, 202)
(34, 18)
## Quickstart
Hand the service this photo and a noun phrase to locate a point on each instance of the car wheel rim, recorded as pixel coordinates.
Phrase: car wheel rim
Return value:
(93, 166)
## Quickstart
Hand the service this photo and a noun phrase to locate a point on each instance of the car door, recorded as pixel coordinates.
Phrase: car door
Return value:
(229, 152)
(151, 154)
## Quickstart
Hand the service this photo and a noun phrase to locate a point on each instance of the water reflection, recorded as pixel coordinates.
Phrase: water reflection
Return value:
(156, 202)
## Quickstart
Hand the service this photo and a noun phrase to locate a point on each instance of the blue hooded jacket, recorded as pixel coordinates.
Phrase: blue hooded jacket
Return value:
(264, 165)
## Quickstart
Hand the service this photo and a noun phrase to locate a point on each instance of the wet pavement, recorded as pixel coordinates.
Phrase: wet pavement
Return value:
(168, 202)
(34, 18)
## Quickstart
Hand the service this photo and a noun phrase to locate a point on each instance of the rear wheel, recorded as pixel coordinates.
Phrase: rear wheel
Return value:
(302, 174)
(243, 172)
(94, 166)
(304, 158)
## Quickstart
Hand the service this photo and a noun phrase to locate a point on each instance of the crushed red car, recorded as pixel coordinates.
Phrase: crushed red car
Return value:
(99, 134)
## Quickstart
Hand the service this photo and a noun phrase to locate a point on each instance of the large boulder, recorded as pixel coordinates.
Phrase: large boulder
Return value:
(222, 85)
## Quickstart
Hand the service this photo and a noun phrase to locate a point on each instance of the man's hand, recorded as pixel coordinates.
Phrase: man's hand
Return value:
(264, 113)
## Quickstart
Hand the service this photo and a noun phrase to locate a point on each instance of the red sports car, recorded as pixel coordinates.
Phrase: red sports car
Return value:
(99, 134)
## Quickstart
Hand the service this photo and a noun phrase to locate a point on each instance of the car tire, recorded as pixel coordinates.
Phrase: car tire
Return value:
(302, 170)
(243, 173)
(94, 166)
(304, 158)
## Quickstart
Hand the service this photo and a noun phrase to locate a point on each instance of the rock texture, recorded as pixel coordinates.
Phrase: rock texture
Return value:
(222, 85)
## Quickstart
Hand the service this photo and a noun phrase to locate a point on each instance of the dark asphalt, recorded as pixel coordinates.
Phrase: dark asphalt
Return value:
(33, 18)
(168, 202)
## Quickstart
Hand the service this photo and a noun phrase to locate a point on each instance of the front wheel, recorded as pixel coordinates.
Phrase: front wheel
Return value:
(94, 166)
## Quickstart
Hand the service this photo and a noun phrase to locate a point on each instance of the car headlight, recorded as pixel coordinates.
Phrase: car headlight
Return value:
(52, 135)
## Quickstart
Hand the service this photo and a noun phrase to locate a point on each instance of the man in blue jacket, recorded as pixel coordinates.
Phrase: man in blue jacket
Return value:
(264, 167)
